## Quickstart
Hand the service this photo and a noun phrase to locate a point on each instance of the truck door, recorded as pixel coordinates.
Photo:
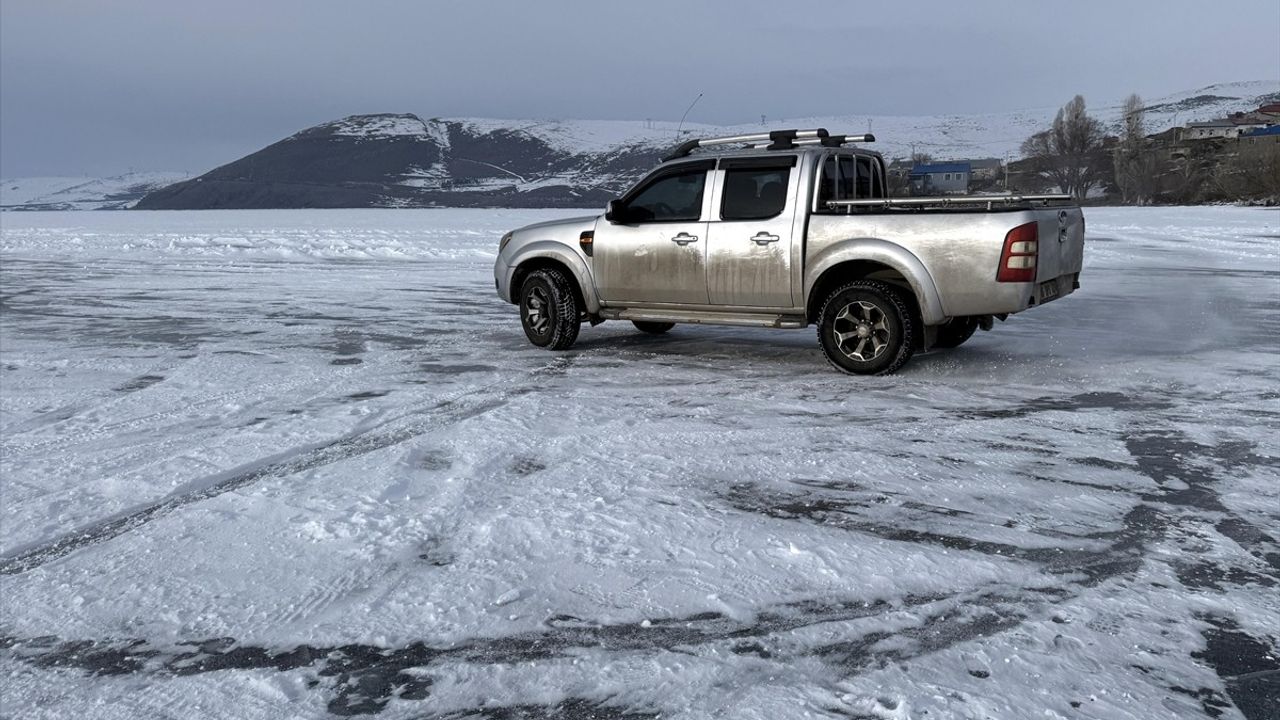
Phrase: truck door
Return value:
(749, 244)
(655, 252)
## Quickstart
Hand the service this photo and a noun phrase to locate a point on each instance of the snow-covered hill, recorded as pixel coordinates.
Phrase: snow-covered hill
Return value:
(402, 160)
(943, 136)
(118, 192)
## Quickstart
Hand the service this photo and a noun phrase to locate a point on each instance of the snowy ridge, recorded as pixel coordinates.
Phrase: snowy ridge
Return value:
(79, 193)
(371, 127)
(944, 136)
(401, 160)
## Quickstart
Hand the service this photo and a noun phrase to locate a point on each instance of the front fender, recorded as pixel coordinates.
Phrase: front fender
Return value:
(571, 258)
(885, 253)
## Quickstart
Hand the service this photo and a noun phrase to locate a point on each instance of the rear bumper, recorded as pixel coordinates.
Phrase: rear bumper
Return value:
(1010, 298)
(1059, 287)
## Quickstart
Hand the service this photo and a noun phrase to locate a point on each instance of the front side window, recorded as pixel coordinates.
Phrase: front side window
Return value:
(670, 198)
(754, 193)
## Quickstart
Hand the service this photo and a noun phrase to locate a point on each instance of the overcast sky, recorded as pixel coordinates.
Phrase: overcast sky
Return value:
(97, 88)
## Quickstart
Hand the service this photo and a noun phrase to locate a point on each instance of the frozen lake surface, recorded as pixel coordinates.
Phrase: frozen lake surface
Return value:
(288, 463)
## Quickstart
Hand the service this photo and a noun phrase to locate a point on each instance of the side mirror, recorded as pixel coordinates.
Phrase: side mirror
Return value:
(615, 212)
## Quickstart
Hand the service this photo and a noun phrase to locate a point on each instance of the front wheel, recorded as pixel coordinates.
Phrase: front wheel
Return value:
(865, 328)
(549, 309)
(653, 328)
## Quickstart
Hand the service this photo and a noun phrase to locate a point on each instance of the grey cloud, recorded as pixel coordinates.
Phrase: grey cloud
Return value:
(97, 88)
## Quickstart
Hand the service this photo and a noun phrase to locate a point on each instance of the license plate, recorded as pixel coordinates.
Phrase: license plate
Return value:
(1048, 290)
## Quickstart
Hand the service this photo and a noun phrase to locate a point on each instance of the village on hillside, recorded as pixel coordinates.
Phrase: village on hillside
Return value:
(1234, 158)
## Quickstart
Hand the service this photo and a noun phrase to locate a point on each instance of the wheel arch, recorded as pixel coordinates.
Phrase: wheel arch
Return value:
(549, 254)
(873, 260)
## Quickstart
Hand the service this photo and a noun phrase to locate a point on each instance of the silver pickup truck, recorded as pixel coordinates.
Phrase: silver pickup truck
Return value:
(794, 229)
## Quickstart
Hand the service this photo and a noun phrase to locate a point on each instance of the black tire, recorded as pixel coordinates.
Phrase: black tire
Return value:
(877, 323)
(549, 309)
(653, 328)
(953, 333)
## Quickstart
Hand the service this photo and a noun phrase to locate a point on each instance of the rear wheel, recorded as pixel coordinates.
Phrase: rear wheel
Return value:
(549, 309)
(653, 328)
(865, 328)
(953, 333)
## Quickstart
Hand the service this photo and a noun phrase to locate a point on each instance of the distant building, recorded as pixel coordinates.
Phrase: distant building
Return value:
(941, 178)
(1270, 109)
(985, 168)
(899, 167)
(1213, 129)
(1260, 139)
(1246, 121)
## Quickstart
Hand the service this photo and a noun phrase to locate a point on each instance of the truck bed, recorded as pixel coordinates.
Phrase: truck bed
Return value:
(963, 257)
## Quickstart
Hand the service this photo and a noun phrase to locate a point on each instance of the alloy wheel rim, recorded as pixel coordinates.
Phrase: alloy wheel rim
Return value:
(862, 331)
(536, 304)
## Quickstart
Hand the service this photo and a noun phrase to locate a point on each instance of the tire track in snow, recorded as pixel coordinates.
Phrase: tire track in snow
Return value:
(367, 677)
(359, 442)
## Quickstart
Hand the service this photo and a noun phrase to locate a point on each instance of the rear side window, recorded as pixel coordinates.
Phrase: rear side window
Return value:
(670, 198)
(754, 193)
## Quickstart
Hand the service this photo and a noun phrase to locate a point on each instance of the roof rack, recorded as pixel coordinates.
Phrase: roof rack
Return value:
(773, 140)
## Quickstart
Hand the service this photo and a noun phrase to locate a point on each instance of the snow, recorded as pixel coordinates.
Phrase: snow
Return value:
(990, 135)
(276, 463)
(954, 136)
(83, 193)
(373, 126)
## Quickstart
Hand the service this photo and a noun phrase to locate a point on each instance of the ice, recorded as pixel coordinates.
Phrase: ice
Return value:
(278, 463)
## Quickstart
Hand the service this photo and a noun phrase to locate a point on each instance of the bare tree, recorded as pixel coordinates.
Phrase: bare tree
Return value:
(1135, 160)
(1250, 174)
(1069, 153)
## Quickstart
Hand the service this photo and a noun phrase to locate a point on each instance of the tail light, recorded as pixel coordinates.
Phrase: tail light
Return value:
(1018, 259)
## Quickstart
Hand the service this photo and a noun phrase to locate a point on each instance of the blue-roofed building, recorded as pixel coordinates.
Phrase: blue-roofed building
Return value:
(1265, 139)
(1271, 131)
(940, 178)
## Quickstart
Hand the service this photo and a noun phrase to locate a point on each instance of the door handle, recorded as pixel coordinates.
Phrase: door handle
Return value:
(683, 239)
(764, 238)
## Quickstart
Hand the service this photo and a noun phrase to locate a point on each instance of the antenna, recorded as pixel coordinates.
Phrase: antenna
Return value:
(686, 114)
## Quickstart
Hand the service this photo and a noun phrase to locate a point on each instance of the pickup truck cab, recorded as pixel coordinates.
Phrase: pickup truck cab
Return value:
(795, 230)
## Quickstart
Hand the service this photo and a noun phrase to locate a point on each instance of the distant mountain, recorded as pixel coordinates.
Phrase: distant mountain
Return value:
(401, 160)
(119, 192)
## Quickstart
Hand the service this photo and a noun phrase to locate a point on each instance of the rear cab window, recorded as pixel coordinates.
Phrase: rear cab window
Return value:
(847, 177)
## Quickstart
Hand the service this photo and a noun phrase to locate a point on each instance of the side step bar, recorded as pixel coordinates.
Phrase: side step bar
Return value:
(705, 317)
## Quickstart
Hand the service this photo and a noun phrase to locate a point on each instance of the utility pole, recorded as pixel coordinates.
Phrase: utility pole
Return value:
(1006, 171)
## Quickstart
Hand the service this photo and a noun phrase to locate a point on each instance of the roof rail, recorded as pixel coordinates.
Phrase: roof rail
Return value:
(989, 200)
(776, 139)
